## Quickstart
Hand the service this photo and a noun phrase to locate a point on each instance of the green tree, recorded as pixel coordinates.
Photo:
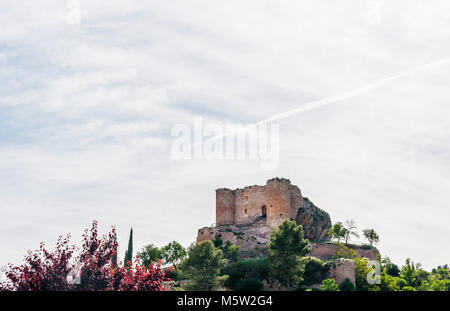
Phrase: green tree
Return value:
(203, 266)
(347, 285)
(350, 230)
(173, 253)
(410, 273)
(287, 248)
(231, 252)
(371, 236)
(337, 231)
(362, 270)
(218, 241)
(329, 285)
(129, 252)
(148, 254)
(390, 267)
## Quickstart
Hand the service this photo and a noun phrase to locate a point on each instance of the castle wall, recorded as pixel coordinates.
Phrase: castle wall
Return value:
(248, 204)
(278, 201)
(296, 201)
(225, 206)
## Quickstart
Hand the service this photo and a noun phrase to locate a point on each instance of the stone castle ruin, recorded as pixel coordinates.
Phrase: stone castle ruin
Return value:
(245, 217)
(248, 214)
(270, 205)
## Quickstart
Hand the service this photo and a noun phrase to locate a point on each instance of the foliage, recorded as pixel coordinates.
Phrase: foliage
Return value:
(42, 270)
(137, 277)
(129, 252)
(92, 269)
(203, 265)
(347, 285)
(390, 268)
(345, 252)
(410, 273)
(337, 231)
(148, 254)
(245, 269)
(173, 253)
(218, 241)
(316, 270)
(371, 236)
(362, 269)
(251, 284)
(329, 285)
(350, 230)
(408, 289)
(286, 248)
(231, 252)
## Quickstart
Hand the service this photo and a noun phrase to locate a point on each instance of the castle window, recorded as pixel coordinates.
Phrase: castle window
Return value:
(245, 211)
(263, 211)
(246, 198)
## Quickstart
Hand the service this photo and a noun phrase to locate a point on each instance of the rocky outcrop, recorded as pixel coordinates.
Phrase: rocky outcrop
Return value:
(327, 250)
(315, 222)
(247, 237)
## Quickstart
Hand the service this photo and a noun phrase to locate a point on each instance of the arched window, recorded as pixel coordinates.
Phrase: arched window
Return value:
(263, 211)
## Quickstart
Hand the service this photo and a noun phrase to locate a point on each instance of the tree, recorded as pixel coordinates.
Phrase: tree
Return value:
(371, 236)
(347, 285)
(287, 248)
(350, 230)
(230, 251)
(391, 268)
(218, 241)
(173, 253)
(410, 272)
(329, 285)
(129, 252)
(42, 270)
(114, 258)
(45, 270)
(337, 231)
(148, 254)
(362, 270)
(203, 266)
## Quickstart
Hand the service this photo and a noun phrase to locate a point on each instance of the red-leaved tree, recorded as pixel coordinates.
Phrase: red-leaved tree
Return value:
(92, 269)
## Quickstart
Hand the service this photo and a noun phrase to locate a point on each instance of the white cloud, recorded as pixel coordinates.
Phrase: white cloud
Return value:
(86, 112)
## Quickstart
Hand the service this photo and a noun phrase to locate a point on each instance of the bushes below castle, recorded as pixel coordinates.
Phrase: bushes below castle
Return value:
(246, 274)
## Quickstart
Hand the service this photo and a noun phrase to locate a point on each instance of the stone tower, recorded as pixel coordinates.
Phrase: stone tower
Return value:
(273, 203)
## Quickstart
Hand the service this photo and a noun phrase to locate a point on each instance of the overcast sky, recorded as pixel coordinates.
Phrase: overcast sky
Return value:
(86, 112)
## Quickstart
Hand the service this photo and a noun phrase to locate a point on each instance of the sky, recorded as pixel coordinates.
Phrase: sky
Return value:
(89, 97)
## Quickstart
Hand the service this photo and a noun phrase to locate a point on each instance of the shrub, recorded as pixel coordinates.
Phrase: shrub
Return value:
(251, 284)
(329, 285)
(347, 285)
(316, 271)
(239, 271)
(94, 269)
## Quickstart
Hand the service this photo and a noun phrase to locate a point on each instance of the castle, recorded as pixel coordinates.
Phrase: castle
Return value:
(245, 217)
(271, 204)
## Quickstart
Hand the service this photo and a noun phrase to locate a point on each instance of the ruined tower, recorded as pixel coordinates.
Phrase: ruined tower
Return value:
(273, 203)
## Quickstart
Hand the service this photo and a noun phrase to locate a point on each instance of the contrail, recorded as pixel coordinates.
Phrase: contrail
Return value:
(334, 98)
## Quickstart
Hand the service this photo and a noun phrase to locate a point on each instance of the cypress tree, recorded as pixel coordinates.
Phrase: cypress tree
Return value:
(129, 251)
(114, 258)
